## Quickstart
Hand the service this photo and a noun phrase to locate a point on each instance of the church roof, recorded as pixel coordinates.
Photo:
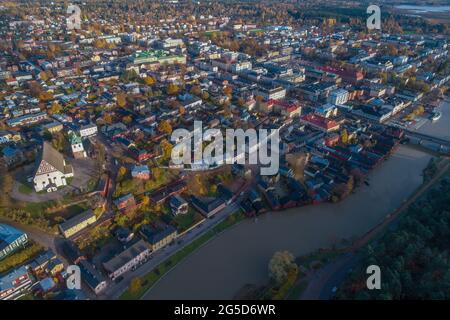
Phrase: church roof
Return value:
(51, 160)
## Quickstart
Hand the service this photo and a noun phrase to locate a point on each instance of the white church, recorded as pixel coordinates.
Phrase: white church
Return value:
(52, 171)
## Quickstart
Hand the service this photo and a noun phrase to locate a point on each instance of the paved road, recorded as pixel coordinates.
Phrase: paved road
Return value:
(333, 274)
(114, 290)
(46, 240)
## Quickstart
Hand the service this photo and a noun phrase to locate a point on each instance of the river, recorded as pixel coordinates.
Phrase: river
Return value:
(439, 128)
(424, 9)
(240, 255)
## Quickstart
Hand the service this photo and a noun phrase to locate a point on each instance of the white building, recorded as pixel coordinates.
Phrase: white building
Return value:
(277, 93)
(52, 171)
(338, 97)
(88, 130)
(77, 147)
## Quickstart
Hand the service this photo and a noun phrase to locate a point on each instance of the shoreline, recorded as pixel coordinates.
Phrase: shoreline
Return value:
(299, 230)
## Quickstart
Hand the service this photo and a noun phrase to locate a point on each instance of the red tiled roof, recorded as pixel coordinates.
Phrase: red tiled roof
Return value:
(319, 121)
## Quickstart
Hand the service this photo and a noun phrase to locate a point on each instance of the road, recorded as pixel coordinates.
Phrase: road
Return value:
(333, 274)
(44, 239)
(115, 290)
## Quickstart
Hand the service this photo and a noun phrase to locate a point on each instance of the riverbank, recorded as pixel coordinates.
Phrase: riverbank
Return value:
(143, 284)
(335, 270)
(240, 255)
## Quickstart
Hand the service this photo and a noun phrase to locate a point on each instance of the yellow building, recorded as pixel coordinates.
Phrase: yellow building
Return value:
(79, 222)
(53, 127)
(158, 237)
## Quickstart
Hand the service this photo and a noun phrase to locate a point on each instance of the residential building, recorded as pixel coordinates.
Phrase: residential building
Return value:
(140, 172)
(338, 97)
(89, 130)
(92, 277)
(14, 282)
(178, 205)
(158, 236)
(208, 206)
(70, 227)
(11, 240)
(128, 259)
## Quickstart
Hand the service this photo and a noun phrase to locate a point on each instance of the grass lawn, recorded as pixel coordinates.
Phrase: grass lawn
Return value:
(150, 278)
(184, 221)
(21, 256)
(297, 290)
(25, 189)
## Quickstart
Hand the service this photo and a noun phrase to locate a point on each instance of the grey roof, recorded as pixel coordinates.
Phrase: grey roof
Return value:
(76, 220)
(90, 275)
(154, 234)
(125, 256)
(53, 157)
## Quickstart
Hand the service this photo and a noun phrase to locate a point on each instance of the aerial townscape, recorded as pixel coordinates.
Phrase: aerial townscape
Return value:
(358, 120)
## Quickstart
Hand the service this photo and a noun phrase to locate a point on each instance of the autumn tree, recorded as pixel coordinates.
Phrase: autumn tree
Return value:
(149, 81)
(127, 119)
(172, 89)
(344, 136)
(107, 118)
(228, 90)
(55, 108)
(205, 95)
(280, 265)
(135, 285)
(166, 148)
(165, 127)
(59, 142)
(196, 185)
(6, 184)
(121, 99)
(121, 172)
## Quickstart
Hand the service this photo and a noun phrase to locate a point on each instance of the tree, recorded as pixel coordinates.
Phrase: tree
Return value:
(6, 184)
(121, 99)
(55, 108)
(280, 265)
(59, 142)
(121, 172)
(228, 90)
(145, 200)
(127, 119)
(344, 136)
(196, 185)
(43, 76)
(205, 95)
(172, 89)
(165, 127)
(196, 90)
(45, 96)
(156, 173)
(166, 148)
(107, 118)
(149, 81)
(135, 285)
